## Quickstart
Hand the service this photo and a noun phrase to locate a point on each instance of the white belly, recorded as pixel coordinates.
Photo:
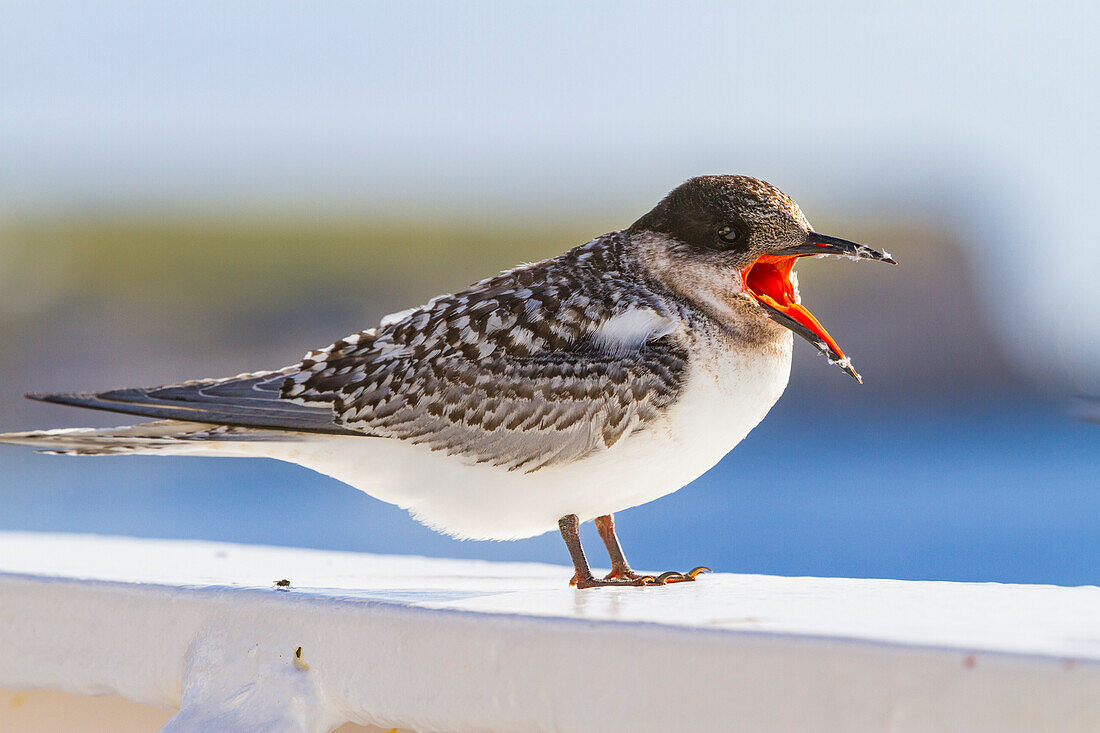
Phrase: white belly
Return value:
(725, 396)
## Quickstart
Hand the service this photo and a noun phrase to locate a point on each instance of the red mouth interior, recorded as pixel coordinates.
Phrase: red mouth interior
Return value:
(769, 281)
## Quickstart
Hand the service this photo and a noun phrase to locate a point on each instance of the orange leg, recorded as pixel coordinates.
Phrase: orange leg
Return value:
(620, 574)
(620, 568)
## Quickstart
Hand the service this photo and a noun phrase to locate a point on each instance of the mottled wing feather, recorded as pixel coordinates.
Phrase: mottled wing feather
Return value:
(520, 413)
(508, 372)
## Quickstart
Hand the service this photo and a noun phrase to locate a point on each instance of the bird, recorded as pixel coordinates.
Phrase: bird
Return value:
(552, 394)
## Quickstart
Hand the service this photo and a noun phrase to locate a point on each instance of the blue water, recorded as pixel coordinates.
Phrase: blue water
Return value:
(990, 493)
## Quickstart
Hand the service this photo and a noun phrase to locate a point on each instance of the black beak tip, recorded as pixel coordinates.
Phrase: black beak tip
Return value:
(845, 366)
(824, 244)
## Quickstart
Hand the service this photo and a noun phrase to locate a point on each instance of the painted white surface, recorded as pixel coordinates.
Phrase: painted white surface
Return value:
(459, 645)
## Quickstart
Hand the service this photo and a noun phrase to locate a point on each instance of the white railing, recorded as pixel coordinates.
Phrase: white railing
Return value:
(442, 645)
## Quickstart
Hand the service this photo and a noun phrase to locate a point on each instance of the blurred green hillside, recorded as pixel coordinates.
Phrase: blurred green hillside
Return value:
(253, 263)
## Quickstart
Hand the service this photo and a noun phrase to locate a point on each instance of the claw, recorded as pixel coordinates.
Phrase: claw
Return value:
(697, 571)
(670, 577)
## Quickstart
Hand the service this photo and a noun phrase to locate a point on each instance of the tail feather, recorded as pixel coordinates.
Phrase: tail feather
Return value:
(166, 436)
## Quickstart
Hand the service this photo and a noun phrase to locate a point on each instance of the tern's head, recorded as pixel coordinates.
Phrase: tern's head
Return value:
(729, 244)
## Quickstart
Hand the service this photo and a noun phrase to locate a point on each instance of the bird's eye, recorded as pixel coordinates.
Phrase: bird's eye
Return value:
(729, 234)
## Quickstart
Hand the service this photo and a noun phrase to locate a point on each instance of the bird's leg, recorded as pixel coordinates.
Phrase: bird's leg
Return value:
(583, 577)
(568, 526)
(605, 525)
(620, 568)
(621, 574)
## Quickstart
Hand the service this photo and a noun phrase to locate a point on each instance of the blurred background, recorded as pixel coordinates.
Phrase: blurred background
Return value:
(199, 189)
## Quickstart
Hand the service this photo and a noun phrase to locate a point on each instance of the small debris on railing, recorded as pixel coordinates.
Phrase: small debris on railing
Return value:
(283, 584)
(301, 665)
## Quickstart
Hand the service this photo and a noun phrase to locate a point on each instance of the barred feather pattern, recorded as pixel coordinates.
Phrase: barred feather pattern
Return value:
(511, 371)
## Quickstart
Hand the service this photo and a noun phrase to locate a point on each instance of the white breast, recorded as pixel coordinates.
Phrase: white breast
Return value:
(726, 394)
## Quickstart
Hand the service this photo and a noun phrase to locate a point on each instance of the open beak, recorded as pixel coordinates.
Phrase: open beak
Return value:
(768, 280)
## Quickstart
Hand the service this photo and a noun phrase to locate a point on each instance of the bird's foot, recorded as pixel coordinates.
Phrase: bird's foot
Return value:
(674, 577)
(663, 579)
(626, 577)
(594, 582)
(623, 574)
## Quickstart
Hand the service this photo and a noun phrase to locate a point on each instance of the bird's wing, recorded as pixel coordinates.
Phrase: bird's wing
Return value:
(542, 365)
